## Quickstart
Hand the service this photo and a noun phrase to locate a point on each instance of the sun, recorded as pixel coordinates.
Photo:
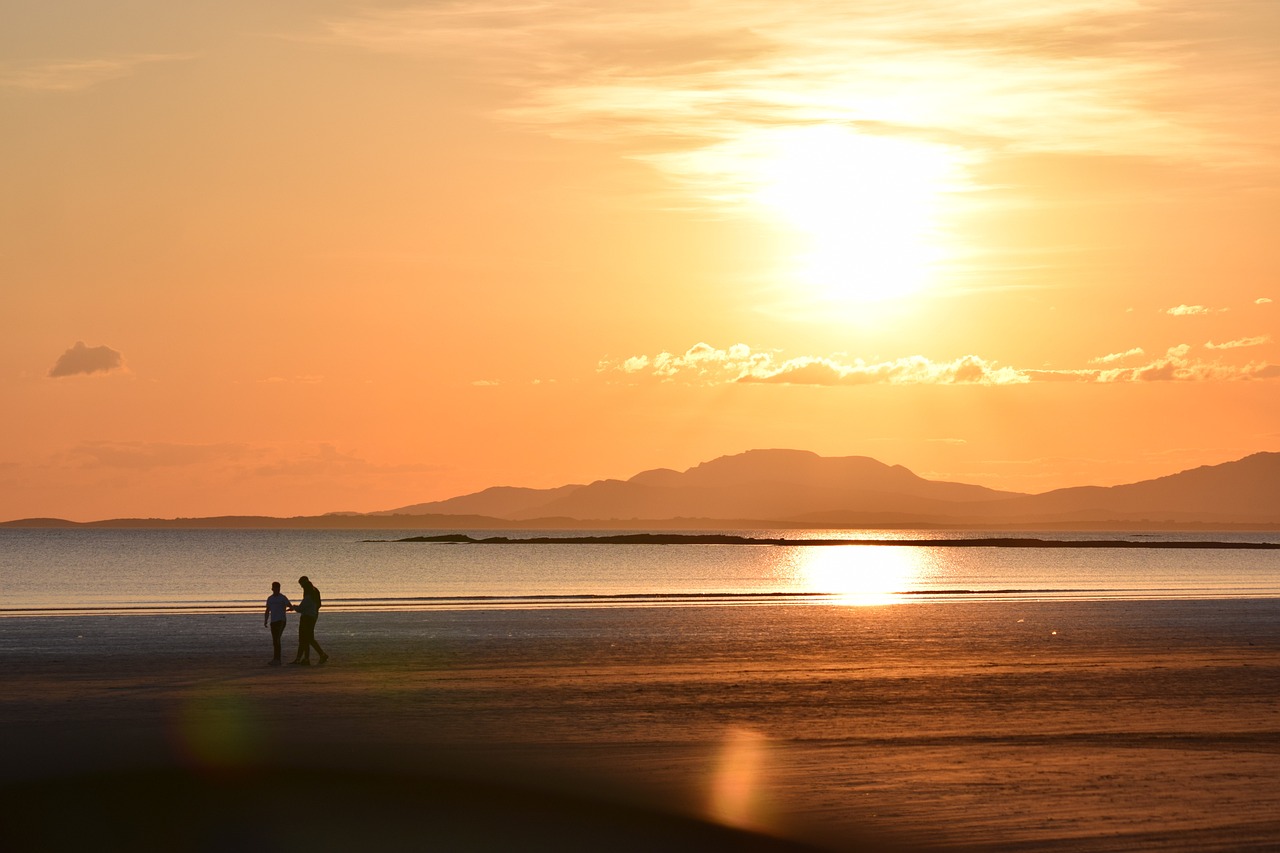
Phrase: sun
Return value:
(866, 209)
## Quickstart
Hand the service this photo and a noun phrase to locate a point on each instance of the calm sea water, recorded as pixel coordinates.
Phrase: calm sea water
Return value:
(167, 571)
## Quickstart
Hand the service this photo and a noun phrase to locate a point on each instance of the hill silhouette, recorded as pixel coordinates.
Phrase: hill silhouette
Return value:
(801, 487)
(1244, 491)
(797, 488)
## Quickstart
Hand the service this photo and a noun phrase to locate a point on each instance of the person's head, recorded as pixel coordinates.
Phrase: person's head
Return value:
(304, 581)
(275, 586)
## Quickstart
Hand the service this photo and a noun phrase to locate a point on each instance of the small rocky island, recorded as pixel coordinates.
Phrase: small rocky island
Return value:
(730, 539)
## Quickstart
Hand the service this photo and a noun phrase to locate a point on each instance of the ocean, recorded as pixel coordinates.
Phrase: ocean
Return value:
(106, 571)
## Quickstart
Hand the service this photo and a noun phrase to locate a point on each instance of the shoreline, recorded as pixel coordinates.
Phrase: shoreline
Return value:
(643, 600)
(1077, 725)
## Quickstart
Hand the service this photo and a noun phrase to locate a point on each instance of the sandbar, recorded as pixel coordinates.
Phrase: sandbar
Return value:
(932, 542)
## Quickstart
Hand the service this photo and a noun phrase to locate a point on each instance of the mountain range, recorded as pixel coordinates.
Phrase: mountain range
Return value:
(796, 488)
(802, 488)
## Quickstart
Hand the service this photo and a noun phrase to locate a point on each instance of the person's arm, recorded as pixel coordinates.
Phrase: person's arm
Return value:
(266, 617)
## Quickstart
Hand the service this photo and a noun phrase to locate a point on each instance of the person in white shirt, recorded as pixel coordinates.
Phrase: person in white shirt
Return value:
(277, 604)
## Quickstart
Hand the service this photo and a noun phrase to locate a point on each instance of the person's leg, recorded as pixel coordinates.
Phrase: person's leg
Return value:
(306, 636)
(315, 645)
(302, 639)
(277, 630)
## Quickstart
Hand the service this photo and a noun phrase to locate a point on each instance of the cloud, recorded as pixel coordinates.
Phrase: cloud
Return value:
(306, 379)
(1262, 300)
(1257, 340)
(915, 370)
(327, 461)
(74, 75)
(1177, 365)
(237, 460)
(707, 365)
(150, 455)
(1188, 310)
(704, 363)
(696, 89)
(1117, 356)
(1265, 371)
(81, 359)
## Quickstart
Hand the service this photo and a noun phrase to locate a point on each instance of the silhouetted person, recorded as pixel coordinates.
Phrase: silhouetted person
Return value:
(308, 610)
(277, 604)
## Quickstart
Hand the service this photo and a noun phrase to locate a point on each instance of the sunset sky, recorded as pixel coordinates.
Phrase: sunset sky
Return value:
(296, 257)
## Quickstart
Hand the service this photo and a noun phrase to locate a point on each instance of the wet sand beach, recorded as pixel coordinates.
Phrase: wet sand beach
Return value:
(994, 725)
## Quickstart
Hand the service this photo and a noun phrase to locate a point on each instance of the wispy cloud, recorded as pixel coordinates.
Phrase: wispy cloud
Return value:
(1178, 365)
(1189, 310)
(305, 379)
(237, 459)
(1257, 340)
(1262, 300)
(72, 75)
(326, 460)
(1117, 356)
(674, 78)
(150, 455)
(82, 360)
(708, 365)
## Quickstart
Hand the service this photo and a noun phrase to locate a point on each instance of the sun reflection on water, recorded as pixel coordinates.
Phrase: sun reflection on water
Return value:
(858, 575)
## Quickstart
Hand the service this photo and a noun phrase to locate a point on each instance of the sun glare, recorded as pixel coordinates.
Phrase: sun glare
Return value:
(866, 209)
(858, 574)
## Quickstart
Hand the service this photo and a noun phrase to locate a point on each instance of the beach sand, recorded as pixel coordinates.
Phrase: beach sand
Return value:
(993, 725)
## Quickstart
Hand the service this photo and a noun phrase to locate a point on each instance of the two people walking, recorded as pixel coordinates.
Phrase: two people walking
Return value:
(308, 611)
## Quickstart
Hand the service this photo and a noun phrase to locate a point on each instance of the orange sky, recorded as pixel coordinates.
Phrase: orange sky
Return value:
(300, 257)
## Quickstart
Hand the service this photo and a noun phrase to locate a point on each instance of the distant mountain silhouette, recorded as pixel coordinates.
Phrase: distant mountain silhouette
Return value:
(497, 501)
(759, 484)
(800, 487)
(1244, 491)
(796, 488)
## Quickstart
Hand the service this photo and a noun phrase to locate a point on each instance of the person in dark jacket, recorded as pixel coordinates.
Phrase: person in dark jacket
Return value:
(308, 611)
